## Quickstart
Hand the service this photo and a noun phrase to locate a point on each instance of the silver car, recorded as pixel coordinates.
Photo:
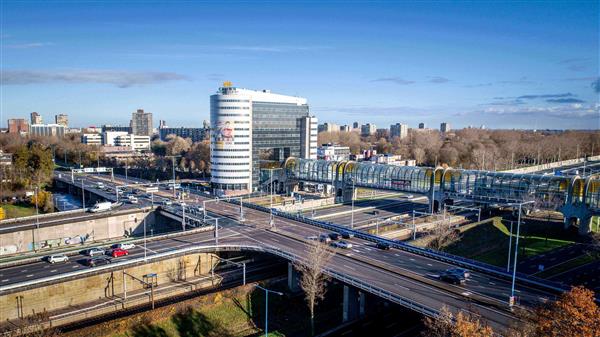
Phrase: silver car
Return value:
(57, 258)
(94, 251)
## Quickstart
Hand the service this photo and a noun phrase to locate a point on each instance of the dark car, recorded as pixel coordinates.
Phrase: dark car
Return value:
(334, 236)
(347, 235)
(452, 278)
(97, 261)
(383, 245)
(459, 271)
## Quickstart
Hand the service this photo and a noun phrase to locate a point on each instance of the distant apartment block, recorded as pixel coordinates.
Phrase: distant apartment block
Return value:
(356, 125)
(91, 139)
(345, 128)
(328, 127)
(121, 128)
(18, 125)
(333, 152)
(162, 124)
(141, 123)
(108, 137)
(135, 142)
(47, 130)
(445, 127)
(195, 134)
(36, 118)
(62, 119)
(368, 129)
(389, 159)
(421, 125)
(399, 130)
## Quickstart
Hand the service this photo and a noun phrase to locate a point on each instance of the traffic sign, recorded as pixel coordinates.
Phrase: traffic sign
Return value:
(151, 189)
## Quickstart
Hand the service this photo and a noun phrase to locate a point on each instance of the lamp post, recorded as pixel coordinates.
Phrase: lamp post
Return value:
(352, 212)
(37, 215)
(509, 246)
(514, 276)
(267, 291)
(82, 195)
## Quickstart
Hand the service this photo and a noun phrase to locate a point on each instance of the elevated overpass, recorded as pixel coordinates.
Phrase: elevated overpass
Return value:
(576, 197)
(404, 274)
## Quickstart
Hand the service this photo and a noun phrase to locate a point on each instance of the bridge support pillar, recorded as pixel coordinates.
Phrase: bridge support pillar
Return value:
(352, 304)
(293, 280)
(577, 215)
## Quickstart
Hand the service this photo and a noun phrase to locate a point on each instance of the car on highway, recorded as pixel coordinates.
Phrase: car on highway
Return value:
(347, 235)
(407, 196)
(54, 258)
(116, 252)
(101, 207)
(334, 236)
(123, 245)
(97, 261)
(452, 278)
(93, 251)
(460, 271)
(132, 199)
(324, 238)
(167, 202)
(383, 245)
(342, 244)
(100, 185)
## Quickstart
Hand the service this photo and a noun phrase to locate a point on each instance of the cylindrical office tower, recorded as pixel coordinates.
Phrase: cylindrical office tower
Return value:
(231, 141)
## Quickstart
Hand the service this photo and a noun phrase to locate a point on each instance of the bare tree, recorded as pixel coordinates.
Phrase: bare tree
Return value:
(443, 235)
(313, 280)
(439, 326)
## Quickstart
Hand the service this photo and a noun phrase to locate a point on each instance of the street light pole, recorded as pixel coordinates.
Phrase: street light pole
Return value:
(267, 291)
(509, 246)
(37, 215)
(82, 195)
(512, 289)
(352, 213)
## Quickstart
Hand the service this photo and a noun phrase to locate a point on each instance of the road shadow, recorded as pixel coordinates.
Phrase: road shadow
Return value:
(146, 329)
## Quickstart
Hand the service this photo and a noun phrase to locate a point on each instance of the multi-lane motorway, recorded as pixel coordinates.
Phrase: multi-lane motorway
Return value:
(410, 276)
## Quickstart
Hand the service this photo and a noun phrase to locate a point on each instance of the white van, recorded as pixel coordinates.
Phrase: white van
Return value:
(101, 207)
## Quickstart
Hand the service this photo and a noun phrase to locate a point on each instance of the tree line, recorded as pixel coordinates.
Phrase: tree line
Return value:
(475, 148)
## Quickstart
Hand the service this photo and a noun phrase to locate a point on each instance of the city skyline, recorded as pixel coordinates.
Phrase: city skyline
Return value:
(465, 63)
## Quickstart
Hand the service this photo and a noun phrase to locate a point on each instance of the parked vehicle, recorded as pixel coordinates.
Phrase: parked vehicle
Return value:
(324, 238)
(452, 278)
(347, 235)
(383, 245)
(459, 271)
(342, 244)
(57, 258)
(97, 261)
(94, 251)
(101, 207)
(118, 252)
(123, 246)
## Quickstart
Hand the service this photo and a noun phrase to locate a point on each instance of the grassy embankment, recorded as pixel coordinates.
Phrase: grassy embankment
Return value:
(17, 211)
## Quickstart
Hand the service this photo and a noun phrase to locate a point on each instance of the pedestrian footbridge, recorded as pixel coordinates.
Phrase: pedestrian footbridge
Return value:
(576, 197)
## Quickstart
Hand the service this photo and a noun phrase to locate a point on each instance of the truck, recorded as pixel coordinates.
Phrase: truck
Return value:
(101, 207)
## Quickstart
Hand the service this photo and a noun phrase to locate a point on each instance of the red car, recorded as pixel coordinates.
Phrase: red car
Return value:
(119, 252)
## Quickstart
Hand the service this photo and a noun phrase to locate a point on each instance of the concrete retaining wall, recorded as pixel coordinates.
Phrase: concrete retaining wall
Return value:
(547, 166)
(80, 293)
(76, 232)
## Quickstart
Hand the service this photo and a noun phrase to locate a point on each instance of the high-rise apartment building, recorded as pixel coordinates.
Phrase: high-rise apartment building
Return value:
(141, 123)
(47, 130)
(368, 129)
(121, 128)
(399, 130)
(308, 134)
(328, 127)
(62, 119)
(445, 127)
(162, 124)
(355, 125)
(18, 125)
(195, 134)
(36, 118)
(250, 128)
(421, 125)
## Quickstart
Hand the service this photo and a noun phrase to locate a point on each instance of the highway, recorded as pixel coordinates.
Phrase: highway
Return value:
(410, 276)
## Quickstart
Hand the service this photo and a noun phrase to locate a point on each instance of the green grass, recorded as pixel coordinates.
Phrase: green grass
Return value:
(595, 224)
(568, 265)
(17, 211)
(488, 242)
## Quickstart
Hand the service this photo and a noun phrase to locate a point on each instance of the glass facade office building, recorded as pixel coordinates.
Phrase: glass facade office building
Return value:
(249, 128)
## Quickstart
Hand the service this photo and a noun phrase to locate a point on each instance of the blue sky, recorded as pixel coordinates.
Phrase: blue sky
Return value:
(517, 64)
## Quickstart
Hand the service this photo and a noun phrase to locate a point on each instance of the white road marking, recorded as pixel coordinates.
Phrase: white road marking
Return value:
(5, 280)
(402, 287)
(53, 271)
(75, 266)
(30, 275)
(412, 259)
(356, 251)
(429, 264)
(349, 267)
(369, 249)
(398, 255)
(492, 283)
